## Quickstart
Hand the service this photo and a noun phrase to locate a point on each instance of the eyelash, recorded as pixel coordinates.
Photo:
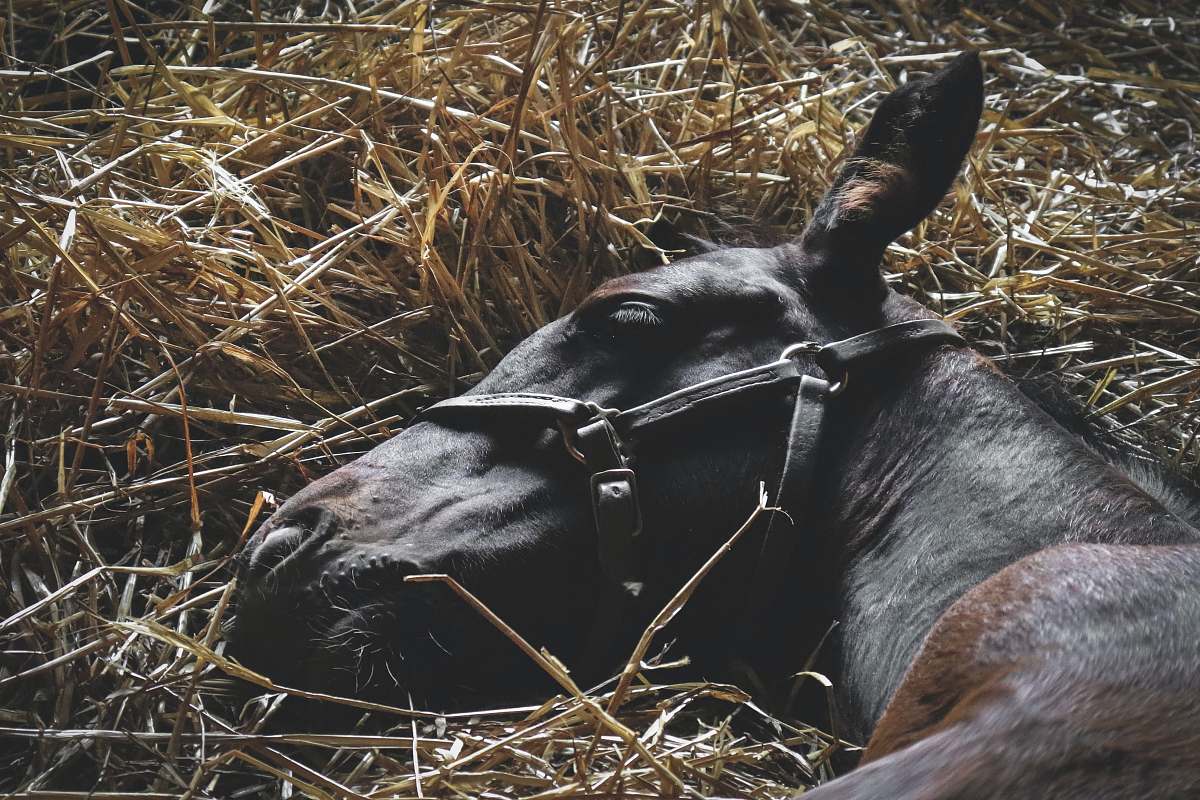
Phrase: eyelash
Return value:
(636, 314)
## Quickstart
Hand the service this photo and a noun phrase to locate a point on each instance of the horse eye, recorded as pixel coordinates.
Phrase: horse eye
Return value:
(635, 313)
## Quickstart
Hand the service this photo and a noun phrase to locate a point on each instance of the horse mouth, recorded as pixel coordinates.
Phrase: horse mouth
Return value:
(326, 642)
(379, 639)
(323, 605)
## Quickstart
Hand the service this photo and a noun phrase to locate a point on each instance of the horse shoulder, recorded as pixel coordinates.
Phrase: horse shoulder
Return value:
(1070, 662)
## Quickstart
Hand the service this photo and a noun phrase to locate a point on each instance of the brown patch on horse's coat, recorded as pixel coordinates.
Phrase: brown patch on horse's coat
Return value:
(946, 680)
(875, 185)
(1008, 665)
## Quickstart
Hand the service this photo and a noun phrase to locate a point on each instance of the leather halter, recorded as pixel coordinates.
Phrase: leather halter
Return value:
(603, 439)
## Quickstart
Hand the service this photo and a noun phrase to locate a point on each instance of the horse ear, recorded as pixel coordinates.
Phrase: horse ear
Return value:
(904, 165)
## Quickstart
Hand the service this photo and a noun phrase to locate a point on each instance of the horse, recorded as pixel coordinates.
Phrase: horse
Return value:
(1014, 612)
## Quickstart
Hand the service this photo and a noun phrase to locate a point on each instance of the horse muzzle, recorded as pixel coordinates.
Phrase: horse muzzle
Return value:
(322, 604)
(302, 579)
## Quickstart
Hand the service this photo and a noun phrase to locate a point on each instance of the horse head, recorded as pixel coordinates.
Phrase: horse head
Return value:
(500, 500)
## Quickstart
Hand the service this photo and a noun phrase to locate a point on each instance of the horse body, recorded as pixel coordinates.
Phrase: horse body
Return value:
(1012, 609)
(1071, 673)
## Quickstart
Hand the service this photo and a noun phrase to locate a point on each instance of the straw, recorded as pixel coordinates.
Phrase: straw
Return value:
(238, 252)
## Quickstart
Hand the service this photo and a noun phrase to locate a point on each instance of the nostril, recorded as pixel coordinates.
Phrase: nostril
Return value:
(274, 549)
(308, 529)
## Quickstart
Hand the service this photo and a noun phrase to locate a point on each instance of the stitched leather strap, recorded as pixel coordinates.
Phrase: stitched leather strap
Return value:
(835, 358)
(618, 523)
(839, 357)
(792, 495)
(733, 386)
(549, 405)
(615, 505)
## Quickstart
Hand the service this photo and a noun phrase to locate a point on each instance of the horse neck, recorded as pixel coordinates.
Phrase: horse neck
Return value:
(948, 474)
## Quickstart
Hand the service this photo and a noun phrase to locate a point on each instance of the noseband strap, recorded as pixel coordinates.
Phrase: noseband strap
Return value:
(544, 405)
(604, 439)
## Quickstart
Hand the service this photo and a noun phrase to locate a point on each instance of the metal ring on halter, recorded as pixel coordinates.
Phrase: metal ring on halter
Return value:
(793, 350)
(568, 437)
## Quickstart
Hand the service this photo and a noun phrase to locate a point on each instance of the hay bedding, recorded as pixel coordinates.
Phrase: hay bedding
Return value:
(240, 249)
